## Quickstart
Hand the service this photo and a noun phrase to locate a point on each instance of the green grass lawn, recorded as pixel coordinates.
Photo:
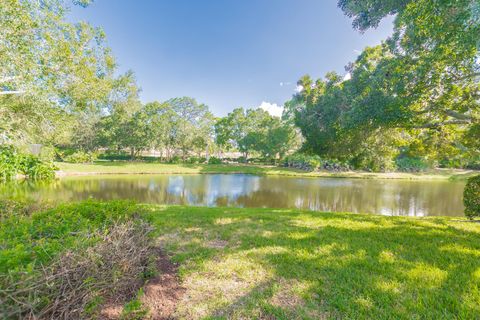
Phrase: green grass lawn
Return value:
(120, 167)
(288, 264)
(237, 263)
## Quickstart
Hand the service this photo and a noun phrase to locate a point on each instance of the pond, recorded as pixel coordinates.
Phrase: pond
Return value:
(387, 197)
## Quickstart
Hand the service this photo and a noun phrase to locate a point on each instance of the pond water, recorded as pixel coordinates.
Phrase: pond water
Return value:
(387, 197)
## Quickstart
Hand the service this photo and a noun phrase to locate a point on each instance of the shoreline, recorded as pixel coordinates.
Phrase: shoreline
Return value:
(139, 168)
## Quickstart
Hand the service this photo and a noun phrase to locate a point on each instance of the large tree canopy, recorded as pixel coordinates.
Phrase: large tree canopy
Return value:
(431, 63)
(417, 93)
(50, 70)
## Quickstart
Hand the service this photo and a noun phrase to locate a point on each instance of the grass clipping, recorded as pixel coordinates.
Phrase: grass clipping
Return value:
(79, 282)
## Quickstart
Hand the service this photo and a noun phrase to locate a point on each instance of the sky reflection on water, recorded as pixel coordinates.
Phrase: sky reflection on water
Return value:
(387, 197)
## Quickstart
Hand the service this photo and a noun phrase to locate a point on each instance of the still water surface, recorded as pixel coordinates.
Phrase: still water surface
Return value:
(387, 197)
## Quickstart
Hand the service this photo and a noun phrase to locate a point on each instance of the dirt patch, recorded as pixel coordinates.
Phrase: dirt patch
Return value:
(161, 293)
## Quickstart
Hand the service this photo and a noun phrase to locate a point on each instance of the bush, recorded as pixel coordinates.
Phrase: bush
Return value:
(12, 163)
(473, 165)
(80, 157)
(63, 262)
(335, 165)
(471, 197)
(303, 162)
(241, 159)
(195, 160)
(33, 168)
(8, 163)
(311, 163)
(115, 156)
(407, 164)
(214, 160)
(175, 160)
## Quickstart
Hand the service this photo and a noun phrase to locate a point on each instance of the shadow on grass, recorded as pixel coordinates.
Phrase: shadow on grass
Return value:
(347, 266)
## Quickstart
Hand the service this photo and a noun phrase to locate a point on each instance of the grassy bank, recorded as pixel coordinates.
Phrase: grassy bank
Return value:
(237, 263)
(286, 264)
(107, 167)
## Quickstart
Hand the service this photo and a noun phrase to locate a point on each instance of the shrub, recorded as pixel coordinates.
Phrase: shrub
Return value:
(8, 163)
(303, 162)
(311, 163)
(175, 160)
(195, 160)
(335, 165)
(471, 197)
(62, 262)
(33, 168)
(407, 164)
(12, 163)
(242, 159)
(214, 160)
(80, 157)
(115, 156)
(473, 165)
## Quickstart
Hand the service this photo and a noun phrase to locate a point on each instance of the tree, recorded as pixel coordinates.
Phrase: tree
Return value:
(162, 125)
(433, 58)
(255, 130)
(192, 121)
(49, 68)
(416, 94)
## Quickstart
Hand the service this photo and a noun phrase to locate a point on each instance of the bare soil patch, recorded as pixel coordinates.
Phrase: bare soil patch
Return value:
(161, 293)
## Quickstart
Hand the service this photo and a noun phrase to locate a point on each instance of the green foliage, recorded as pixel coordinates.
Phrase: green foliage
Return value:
(115, 156)
(34, 168)
(471, 197)
(214, 160)
(175, 160)
(8, 163)
(80, 157)
(256, 131)
(314, 162)
(408, 164)
(196, 160)
(60, 68)
(418, 90)
(12, 163)
(302, 161)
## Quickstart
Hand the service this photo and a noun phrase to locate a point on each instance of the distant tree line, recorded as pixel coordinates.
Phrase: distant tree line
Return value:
(413, 101)
(59, 87)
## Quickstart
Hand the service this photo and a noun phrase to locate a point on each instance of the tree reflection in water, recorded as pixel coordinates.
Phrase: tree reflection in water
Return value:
(388, 197)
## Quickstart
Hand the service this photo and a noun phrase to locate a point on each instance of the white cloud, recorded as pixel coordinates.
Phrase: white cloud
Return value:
(272, 108)
(299, 89)
(348, 76)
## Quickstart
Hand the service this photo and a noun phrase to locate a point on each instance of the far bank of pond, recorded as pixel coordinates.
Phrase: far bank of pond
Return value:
(124, 167)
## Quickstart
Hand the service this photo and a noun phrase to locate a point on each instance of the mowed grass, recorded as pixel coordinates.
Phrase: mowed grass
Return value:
(285, 264)
(125, 167)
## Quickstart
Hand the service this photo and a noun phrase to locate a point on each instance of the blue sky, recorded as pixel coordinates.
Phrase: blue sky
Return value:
(227, 53)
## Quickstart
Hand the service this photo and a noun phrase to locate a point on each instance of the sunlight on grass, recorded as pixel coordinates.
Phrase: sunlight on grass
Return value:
(286, 264)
